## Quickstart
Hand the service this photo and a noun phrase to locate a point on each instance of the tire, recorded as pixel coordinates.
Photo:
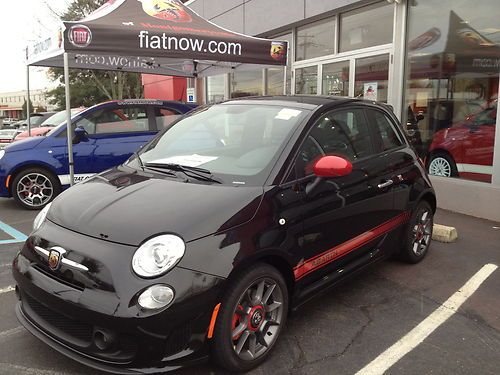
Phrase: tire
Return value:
(418, 234)
(34, 188)
(238, 320)
(442, 164)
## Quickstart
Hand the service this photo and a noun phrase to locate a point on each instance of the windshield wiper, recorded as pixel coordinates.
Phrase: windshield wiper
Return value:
(194, 172)
(138, 157)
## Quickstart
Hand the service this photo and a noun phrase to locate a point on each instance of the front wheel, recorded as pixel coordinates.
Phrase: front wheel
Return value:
(441, 164)
(252, 315)
(34, 188)
(418, 234)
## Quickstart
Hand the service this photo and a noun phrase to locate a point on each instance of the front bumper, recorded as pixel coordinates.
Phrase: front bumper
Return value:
(69, 315)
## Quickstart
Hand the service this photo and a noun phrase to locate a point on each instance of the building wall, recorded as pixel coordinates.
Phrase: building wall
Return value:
(11, 102)
(164, 87)
(241, 15)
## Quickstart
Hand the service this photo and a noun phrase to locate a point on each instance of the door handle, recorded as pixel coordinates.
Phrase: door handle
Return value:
(385, 184)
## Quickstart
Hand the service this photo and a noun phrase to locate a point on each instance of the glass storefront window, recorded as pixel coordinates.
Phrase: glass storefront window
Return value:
(246, 83)
(215, 88)
(372, 78)
(366, 27)
(315, 40)
(451, 94)
(276, 79)
(336, 79)
(306, 80)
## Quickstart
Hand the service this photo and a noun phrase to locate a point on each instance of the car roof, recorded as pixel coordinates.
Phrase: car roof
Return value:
(305, 101)
(145, 101)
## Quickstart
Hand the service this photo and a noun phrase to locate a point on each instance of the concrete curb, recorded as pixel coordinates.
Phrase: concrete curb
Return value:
(442, 233)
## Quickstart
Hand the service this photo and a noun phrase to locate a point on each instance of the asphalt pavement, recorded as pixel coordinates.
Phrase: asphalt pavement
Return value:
(371, 324)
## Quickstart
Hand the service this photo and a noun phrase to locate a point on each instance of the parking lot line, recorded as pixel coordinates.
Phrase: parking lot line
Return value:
(11, 332)
(14, 233)
(10, 288)
(418, 334)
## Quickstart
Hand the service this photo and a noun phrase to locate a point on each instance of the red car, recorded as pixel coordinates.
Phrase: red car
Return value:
(36, 132)
(465, 149)
(7, 137)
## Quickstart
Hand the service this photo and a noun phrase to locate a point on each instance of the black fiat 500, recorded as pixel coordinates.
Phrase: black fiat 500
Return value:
(203, 242)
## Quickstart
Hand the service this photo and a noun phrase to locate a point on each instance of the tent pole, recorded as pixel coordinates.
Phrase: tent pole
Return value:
(69, 125)
(28, 109)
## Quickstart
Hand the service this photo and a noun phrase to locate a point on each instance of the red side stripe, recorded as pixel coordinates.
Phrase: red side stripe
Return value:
(345, 248)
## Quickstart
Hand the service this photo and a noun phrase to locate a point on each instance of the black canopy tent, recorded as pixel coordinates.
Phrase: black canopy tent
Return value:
(148, 36)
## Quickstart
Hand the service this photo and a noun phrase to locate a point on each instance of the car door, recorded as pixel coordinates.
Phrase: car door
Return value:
(345, 218)
(120, 130)
(398, 170)
(479, 142)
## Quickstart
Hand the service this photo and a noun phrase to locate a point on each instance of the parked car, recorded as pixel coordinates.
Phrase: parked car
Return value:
(205, 239)
(35, 120)
(48, 124)
(9, 120)
(35, 170)
(466, 148)
(7, 136)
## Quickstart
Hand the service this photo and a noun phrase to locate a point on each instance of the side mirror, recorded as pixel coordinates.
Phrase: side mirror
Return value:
(329, 167)
(80, 135)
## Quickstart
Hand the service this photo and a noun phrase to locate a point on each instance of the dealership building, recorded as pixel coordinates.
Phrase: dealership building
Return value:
(435, 62)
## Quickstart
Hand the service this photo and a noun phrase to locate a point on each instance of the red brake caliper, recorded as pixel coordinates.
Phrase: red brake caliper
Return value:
(237, 321)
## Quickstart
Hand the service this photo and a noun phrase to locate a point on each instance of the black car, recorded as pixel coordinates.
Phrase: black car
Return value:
(204, 241)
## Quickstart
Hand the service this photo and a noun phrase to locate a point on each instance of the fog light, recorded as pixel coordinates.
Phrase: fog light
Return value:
(156, 297)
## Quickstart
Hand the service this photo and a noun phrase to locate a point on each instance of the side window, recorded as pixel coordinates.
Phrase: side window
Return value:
(116, 120)
(385, 137)
(342, 133)
(164, 117)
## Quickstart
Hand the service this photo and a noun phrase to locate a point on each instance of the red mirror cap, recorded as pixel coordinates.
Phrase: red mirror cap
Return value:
(332, 166)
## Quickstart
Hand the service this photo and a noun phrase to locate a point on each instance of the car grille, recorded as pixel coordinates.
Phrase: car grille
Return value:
(52, 320)
(178, 339)
(77, 334)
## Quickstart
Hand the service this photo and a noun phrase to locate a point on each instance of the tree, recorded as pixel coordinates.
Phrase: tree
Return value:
(24, 108)
(89, 87)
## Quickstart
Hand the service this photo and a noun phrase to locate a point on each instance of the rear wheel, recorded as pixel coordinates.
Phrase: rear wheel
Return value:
(252, 315)
(34, 188)
(442, 164)
(418, 234)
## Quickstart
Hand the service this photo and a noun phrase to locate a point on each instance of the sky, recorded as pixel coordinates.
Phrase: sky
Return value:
(23, 21)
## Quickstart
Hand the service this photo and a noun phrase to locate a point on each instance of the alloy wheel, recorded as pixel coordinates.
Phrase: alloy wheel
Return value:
(257, 319)
(439, 166)
(422, 232)
(35, 189)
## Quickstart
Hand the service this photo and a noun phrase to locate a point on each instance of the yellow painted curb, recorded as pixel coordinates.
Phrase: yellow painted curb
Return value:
(442, 233)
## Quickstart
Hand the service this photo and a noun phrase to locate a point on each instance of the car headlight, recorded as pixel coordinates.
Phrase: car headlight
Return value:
(157, 255)
(40, 218)
(156, 297)
(2, 153)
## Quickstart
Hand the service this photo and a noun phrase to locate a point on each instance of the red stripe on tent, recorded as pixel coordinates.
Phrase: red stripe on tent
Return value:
(345, 248)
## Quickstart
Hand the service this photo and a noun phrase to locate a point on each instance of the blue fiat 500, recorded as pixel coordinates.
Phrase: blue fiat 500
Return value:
(34, 171)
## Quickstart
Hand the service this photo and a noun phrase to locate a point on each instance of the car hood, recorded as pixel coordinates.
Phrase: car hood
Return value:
(129, 207)
(24, 144)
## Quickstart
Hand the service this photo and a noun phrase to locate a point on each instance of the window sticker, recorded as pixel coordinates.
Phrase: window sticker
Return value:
(287, 114)
(187, 160)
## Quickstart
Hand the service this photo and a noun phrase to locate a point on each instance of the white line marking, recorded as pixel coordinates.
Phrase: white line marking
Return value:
(16, 369)
(10, 288)
(10, 332)
(418, 334)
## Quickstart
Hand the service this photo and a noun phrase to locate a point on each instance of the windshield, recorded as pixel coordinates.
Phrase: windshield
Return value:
(238, 143)
(35, 120)
(59, 119)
